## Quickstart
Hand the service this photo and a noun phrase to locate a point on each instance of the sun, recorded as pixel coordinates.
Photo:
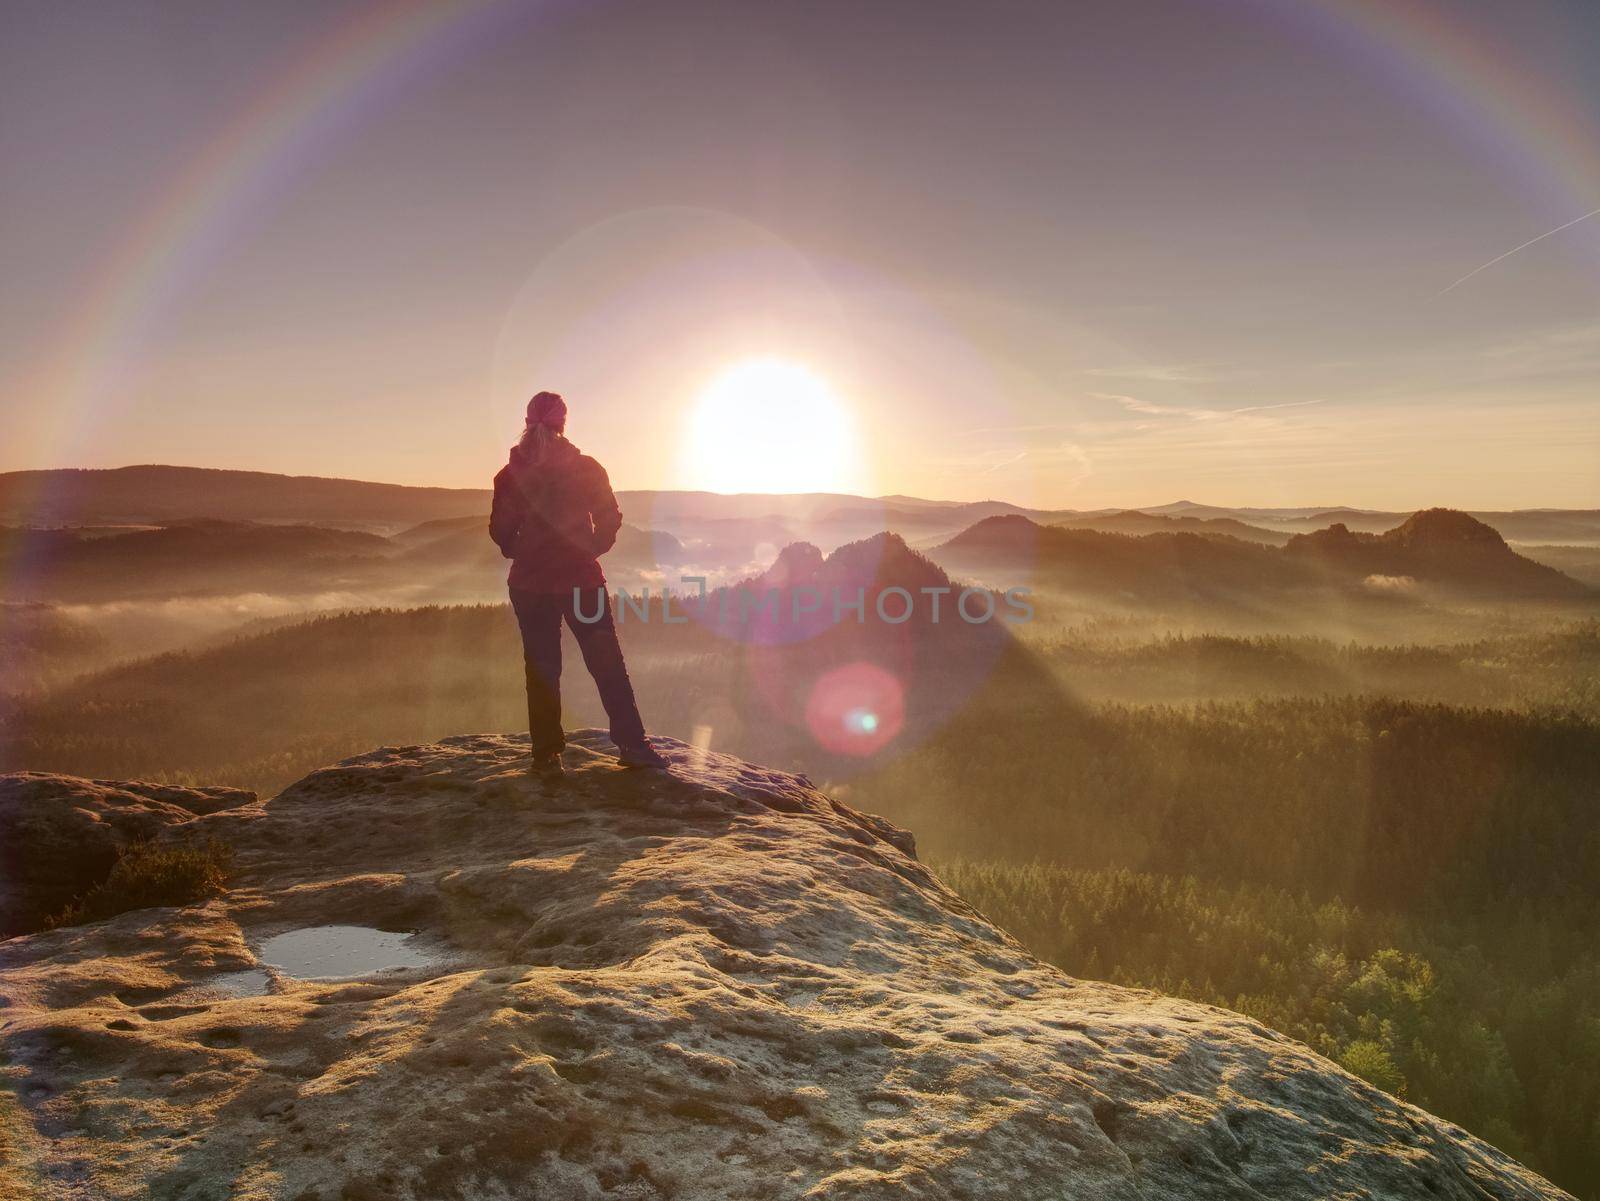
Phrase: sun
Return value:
(770, 425)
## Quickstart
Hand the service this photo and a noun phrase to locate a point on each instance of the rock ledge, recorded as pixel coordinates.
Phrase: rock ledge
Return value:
(718, 985)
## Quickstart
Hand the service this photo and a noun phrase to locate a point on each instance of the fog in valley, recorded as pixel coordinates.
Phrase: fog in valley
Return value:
(1332, 769)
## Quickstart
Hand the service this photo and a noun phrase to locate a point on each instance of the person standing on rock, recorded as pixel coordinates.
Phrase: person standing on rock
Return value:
(554, 515)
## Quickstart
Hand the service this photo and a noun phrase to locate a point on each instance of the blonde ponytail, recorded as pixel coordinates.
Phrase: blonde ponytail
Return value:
(536, 441)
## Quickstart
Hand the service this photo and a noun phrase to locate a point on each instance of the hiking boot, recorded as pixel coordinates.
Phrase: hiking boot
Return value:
(546, 767)
(643, 755)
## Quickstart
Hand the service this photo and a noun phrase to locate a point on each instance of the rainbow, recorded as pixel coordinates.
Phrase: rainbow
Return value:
(1506, 109)
(377, 48)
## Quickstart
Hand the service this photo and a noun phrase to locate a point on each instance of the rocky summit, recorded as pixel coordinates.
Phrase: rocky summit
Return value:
(432, 977)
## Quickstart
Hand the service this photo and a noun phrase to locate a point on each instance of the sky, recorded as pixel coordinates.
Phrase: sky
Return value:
(1076, 255)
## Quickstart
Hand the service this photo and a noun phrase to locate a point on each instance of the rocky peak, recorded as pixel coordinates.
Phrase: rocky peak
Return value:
(881, 561)
(872, 564)
(1001, 530)
(1332, 540)
(1444, 527)
(796, 564)
(1437, 546)
(715, 984)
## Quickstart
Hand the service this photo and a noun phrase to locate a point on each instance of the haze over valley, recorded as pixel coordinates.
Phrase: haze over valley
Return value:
(1175, 728)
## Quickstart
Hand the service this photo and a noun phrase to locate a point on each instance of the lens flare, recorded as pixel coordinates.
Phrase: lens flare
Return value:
(861, 721)
(856, 709)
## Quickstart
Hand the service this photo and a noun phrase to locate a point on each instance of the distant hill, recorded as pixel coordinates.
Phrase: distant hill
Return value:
(1189, 508)
(1440, 546)
(1582, 563)
(1136, 521)
(163, 494)
(928, 514)
(186, 558)
(426, 532)
(435, 561)
(156, 494)
(1355, 519)
(1570, 526)
(159, 494)
(1149, 566)
(465, 540)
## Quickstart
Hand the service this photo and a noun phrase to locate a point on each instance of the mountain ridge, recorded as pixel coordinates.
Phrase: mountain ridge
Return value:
(144, 492)
(1440, 547)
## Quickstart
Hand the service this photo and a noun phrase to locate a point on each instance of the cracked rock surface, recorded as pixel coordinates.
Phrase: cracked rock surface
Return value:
(715, 984)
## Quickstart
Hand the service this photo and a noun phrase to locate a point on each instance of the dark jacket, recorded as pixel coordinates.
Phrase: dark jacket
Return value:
(554, 519)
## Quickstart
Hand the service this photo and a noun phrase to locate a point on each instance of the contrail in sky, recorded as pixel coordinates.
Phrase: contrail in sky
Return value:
(1514, 249)
(1006, 463)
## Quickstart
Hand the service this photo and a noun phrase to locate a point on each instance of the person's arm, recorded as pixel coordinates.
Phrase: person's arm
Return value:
(505, 516)
(603, 511)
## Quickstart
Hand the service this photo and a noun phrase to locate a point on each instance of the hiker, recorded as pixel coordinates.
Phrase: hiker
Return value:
(554, 514)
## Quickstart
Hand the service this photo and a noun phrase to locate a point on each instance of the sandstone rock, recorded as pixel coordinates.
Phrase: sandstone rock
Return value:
(719, 985)
(59, 835)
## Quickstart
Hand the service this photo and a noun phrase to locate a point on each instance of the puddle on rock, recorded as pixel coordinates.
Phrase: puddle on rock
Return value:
(344, 952)
(252, 982)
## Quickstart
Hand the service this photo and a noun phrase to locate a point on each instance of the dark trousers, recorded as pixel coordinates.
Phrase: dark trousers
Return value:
(540, 614)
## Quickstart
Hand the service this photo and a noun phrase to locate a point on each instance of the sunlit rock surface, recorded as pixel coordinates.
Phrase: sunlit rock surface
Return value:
(59, 835)
(718, 985)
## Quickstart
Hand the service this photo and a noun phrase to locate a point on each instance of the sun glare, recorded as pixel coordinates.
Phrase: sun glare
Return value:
(769, 425)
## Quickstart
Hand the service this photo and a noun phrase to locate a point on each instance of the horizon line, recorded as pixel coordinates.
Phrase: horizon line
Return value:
(884, 497)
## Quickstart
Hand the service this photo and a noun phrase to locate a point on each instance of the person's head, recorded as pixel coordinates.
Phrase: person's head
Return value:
(547, 419)
(548, 409)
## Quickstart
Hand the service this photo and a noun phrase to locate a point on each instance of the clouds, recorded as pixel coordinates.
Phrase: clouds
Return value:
(1060, 464)
(1561, 350)
(1494, 446)
(1191, 373)
(1497, 451)
(1134, 404)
